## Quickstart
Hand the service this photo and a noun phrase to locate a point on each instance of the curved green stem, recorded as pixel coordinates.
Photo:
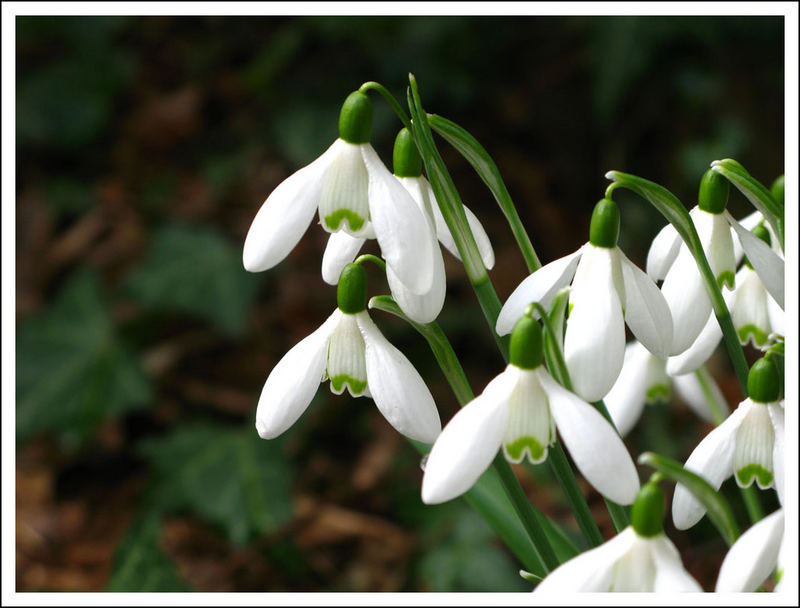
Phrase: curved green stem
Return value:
(368, 257)
(398, 109)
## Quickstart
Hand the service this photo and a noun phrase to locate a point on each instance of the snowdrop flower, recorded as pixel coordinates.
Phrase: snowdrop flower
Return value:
(753, 557)
(608, 290)
(343, 247)
(640, 558)
(747, 445)
(353, 192)
(349, 350)
(645, 380)
(520, 411)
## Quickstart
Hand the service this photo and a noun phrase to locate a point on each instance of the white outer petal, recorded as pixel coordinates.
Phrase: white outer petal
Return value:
(687, 299)
(751, 559)
(594, 445)
(712, 459)
(748, 223)
(671, 576)
(663, 252)
(401, 227)
(470, 441)
(541, 286)
(594, 342)
(426, 307)
(688, 387)
(776, 414)
(699, 352)
(340, 251)
(646, 310)
(768, 265)
(285, 215)
(293, 382)
(625, 401)
(397, 388)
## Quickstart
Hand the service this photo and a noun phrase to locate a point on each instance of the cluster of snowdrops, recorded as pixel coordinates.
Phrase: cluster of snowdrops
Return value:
(571, 381)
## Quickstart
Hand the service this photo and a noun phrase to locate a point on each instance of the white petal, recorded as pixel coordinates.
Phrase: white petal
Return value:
(687, 299)
(715, 234)
(397, 388)
(346, 366)
(755, 442)
(748, 223)
(749, 308)
(286, 214)
(541, 286)
(426, 307)
(671, 576)
(293, 381)
(689, 388)
(594, 445)
(765, 261)
(625, 401)
(591, 570)
(778, 451)
(340, 251)
(646, 310)
(469, 442)
(663, 252)
(776, 316)
(699, 352)
(712, 459)
(753, 556)
(344, 198)
(530, 429)
(401, 228)
(594, 343)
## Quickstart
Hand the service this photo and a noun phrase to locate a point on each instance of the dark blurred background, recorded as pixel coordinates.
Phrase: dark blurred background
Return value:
(145, 146)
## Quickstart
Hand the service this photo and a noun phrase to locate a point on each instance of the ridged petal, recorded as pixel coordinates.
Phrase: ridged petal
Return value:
(663, 252)
(768, 265)
(751, 559)
(749, 308)
(541, 286)
(401, 228)
(469, 442)
(671, 576)
(646, 310)
(397, 388)
(340, 251)
(776, 413)
(284, 217)
(688, 388)
(293, 382)
(594, 445)
(715, 234)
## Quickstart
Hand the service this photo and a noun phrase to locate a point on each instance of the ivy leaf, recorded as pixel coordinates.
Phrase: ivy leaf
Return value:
(195, 270)
(72, 370)
(230, 478)
(139, 562)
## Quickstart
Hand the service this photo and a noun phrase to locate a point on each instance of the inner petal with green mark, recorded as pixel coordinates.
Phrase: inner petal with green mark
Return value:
(658, 393)
(347, 366)
(344, 201)
(752, 455)
(749, 331)
(531, 428)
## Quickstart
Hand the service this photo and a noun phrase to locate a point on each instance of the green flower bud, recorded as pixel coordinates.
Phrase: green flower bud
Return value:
(647, 512)
(763, 381)
(407, 161)
(604, 229)
(525, 347)
(351, 293)
(777, 190)
(355, 119)
(714, 190)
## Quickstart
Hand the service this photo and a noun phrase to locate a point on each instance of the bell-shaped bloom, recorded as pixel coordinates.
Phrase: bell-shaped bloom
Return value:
(627, 562)
(749, 445)
(645, 380)
(608, 291)
(520, 410)
(754, 555)
(350, 351)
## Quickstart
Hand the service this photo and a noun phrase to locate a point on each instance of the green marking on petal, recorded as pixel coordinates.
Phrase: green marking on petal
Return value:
(726, 277)
(335, 219)
(759, 336)
(746, 475)
(658, 393)
(515, 451)
(354, 385)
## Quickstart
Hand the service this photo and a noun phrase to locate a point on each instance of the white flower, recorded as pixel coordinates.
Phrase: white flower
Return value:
(748, 445)
(607, 288)
(627, 562)
(520, 410)
(351, 351)
(645, 380)
(355, 193)
(754, 555)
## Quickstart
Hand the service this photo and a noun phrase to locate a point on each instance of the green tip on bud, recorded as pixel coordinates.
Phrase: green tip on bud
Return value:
(647, 512)
(525, 347)
(777, 190)
(351, 293)
(355, 119)
(407, 161)
(604, 229)
(763, 381)
(714, 190)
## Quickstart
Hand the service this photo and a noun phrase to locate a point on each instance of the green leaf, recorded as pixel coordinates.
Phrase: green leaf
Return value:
(195, 270)
(230, 478)
(72, 370)
(139, 562)
(719, 511)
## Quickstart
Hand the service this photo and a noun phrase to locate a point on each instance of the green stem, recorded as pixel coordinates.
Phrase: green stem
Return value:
(398, 109)
(368, 257)
(752, 503)
(577, 503)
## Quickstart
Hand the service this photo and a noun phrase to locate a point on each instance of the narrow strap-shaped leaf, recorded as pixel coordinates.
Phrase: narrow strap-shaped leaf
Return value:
(487, 170)
(719, 511)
